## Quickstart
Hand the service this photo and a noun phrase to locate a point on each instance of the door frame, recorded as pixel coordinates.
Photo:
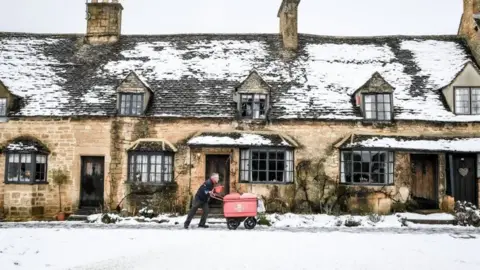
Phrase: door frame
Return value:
(229, 157)
(436, 170)
(82, 170)
(450, 161)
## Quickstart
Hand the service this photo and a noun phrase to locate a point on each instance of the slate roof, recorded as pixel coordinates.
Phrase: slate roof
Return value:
(195, 75)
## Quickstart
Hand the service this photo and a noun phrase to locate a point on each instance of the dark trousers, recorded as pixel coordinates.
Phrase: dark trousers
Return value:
(198, 204)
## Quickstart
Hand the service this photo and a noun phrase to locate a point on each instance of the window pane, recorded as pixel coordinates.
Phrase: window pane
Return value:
(41, 168)
(475, 100)
(368, 167)
(267, 165)
(369, 98)
(25, 167)
(3, 106)
(462, 100)
(13, 170)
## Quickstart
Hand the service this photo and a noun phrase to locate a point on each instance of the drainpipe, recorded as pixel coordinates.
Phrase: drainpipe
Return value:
(190, 171)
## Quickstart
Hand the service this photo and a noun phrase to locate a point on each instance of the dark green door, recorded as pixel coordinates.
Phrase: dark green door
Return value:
(92, 182)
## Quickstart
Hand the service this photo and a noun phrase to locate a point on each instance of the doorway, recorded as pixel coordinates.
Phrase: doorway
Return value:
(92, 182)
(218, 164)
(424, 180)
(463, 173)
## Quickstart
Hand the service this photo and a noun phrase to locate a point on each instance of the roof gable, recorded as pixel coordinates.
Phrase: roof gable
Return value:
(376, 84)
(133, 83)
(254, 83)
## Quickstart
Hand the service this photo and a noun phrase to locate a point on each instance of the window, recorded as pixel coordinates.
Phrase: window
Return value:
(273, 165)
(467, 100)
(131, 104)
(378, 107)
(3, 107)
(26, 168)
(254, 106)
(151, 167)
(367, 167)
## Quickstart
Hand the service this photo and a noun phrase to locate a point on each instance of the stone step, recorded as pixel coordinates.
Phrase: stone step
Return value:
(431, 221)
(77, 218)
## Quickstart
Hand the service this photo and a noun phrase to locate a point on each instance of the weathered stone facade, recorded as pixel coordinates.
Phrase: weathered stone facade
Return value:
(288, 14)
(70, 139)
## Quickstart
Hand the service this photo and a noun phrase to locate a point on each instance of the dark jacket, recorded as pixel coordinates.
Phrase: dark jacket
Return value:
(203, 190)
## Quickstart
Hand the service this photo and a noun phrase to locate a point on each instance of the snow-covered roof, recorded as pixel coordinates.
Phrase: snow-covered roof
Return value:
(436, 144)
(239, 139)
(195, 75)
(25, 144)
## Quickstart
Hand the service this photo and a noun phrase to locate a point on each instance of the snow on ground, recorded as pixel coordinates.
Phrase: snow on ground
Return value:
(231, 250)
(283, 221)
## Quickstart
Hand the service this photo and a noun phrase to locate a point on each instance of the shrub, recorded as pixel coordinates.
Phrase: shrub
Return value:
(466, 214)
(262, 220)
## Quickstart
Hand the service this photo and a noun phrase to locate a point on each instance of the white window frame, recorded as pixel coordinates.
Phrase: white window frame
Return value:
(467, 106)
(375, 105)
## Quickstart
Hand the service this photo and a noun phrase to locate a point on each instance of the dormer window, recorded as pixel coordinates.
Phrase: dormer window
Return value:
(253, 106)
(134, 94)
(252, 97)
(3, 107)
(375, 99)
(378, 107)
(467, 100)
(131, 104)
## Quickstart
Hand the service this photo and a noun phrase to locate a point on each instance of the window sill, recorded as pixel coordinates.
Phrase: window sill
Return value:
(25, 183)
(150, 183)
(367, 185)
(267, 183)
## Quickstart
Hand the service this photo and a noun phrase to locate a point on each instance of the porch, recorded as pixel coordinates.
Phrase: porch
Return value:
(430, 172)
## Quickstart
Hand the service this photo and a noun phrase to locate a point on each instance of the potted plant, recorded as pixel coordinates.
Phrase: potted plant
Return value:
(59, 178)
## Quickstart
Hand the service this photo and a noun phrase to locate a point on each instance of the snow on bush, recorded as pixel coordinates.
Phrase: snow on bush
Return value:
(466, 214)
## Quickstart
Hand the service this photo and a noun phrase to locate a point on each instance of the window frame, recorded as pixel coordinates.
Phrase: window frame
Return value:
(33, 167)
(387, 174)
(129, 106)
(276, 149)
(470, 108)
(149, 155)
(252, 103)
(364, 95)
(5, 113)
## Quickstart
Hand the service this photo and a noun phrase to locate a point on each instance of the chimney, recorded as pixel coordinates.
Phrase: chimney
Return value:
(288, 14)
(104, 21)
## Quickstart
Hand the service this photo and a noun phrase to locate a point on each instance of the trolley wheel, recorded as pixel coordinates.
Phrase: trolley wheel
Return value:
(233, 223)
(250, 223)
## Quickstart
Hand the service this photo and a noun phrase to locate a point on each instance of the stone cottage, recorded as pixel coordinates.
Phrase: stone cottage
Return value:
(311, 123)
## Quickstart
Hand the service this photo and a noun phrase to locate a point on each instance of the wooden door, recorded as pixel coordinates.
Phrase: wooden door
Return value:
(424, 176)
(219, 164)
(92, 182)
(464, 178)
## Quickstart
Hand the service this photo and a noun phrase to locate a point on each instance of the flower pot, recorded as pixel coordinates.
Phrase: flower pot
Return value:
(61, 216)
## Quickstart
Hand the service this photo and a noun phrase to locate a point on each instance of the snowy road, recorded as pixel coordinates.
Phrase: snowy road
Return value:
(212, 249)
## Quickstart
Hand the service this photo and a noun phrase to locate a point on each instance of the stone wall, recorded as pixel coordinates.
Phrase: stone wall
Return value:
(467, 28)
(69, 140)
